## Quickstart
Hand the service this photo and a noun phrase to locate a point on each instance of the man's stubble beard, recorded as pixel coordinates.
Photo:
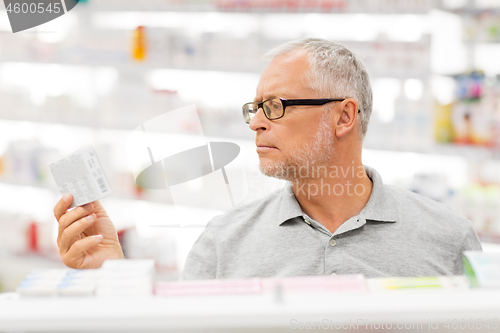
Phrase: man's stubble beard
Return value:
(299, 165)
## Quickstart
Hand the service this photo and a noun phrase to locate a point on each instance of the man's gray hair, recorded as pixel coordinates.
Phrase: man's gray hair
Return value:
(336, 72)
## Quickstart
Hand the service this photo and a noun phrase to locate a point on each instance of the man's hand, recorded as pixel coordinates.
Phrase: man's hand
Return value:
(87, 236)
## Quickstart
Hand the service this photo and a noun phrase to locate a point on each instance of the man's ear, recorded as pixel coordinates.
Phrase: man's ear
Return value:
(347, 119)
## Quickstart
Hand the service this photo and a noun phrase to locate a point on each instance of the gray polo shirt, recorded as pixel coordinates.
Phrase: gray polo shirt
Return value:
(398, 233)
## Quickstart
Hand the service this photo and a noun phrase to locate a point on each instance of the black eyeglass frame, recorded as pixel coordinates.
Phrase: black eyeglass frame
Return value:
(290, 102)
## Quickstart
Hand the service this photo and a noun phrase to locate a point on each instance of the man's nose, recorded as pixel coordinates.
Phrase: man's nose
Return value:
(259, 121)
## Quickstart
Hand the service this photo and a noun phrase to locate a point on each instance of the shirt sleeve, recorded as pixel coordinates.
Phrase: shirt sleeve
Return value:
(201, 262)
(470, 243)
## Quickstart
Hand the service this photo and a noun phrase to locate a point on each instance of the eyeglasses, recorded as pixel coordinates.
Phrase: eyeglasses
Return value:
(274, 108)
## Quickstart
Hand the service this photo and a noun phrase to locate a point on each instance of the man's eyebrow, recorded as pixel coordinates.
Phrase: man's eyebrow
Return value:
(267, 96)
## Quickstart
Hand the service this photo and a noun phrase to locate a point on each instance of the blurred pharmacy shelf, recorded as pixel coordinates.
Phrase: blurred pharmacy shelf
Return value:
(257, 6)
(472, 152)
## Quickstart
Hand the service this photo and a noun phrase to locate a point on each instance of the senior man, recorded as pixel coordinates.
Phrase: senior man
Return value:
(334, 216)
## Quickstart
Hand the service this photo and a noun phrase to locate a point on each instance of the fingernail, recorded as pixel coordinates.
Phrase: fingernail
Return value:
(97, 236)
(91, 217)
(67, 197)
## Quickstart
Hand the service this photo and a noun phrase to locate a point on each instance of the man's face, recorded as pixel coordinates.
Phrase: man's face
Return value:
(304, 136)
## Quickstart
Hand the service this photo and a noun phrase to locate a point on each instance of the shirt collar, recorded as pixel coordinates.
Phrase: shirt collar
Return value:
(380, 206)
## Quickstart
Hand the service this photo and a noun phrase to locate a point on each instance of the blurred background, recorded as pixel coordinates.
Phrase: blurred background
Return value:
(94, 75)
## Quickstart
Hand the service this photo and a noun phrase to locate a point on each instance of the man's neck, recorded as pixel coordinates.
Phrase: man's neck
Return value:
(334, 193)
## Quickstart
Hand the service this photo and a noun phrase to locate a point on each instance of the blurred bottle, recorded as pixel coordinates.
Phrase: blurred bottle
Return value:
(32, 237)
(443, 124)
(139, 44)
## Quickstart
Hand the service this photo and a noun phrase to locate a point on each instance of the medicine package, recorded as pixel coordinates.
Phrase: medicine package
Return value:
(81, 175)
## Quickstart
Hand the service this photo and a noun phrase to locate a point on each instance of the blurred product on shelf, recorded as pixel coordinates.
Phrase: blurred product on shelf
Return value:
(118, 278)
(483, 27)
(482, 269)
(115, 278)
(139, 44)
(492, 102)
(443, 124)
(21, 234)
(481, 204)
(320, 283)
(471, 117)
(24, 162)
(58, 282)
(474, 117)
(125, 277)
(418, 283)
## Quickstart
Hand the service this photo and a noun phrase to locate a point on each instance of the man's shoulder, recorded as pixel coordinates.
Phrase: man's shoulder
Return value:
(414, 206)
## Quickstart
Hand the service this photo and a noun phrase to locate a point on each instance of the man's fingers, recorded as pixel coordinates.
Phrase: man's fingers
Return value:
(74, 215)
(63, 205)
(70, 234)
(76, 254)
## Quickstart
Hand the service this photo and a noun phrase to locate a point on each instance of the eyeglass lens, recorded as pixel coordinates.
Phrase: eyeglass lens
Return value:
(273, 108)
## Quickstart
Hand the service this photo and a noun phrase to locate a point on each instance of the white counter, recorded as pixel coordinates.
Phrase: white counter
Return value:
(259, 312)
